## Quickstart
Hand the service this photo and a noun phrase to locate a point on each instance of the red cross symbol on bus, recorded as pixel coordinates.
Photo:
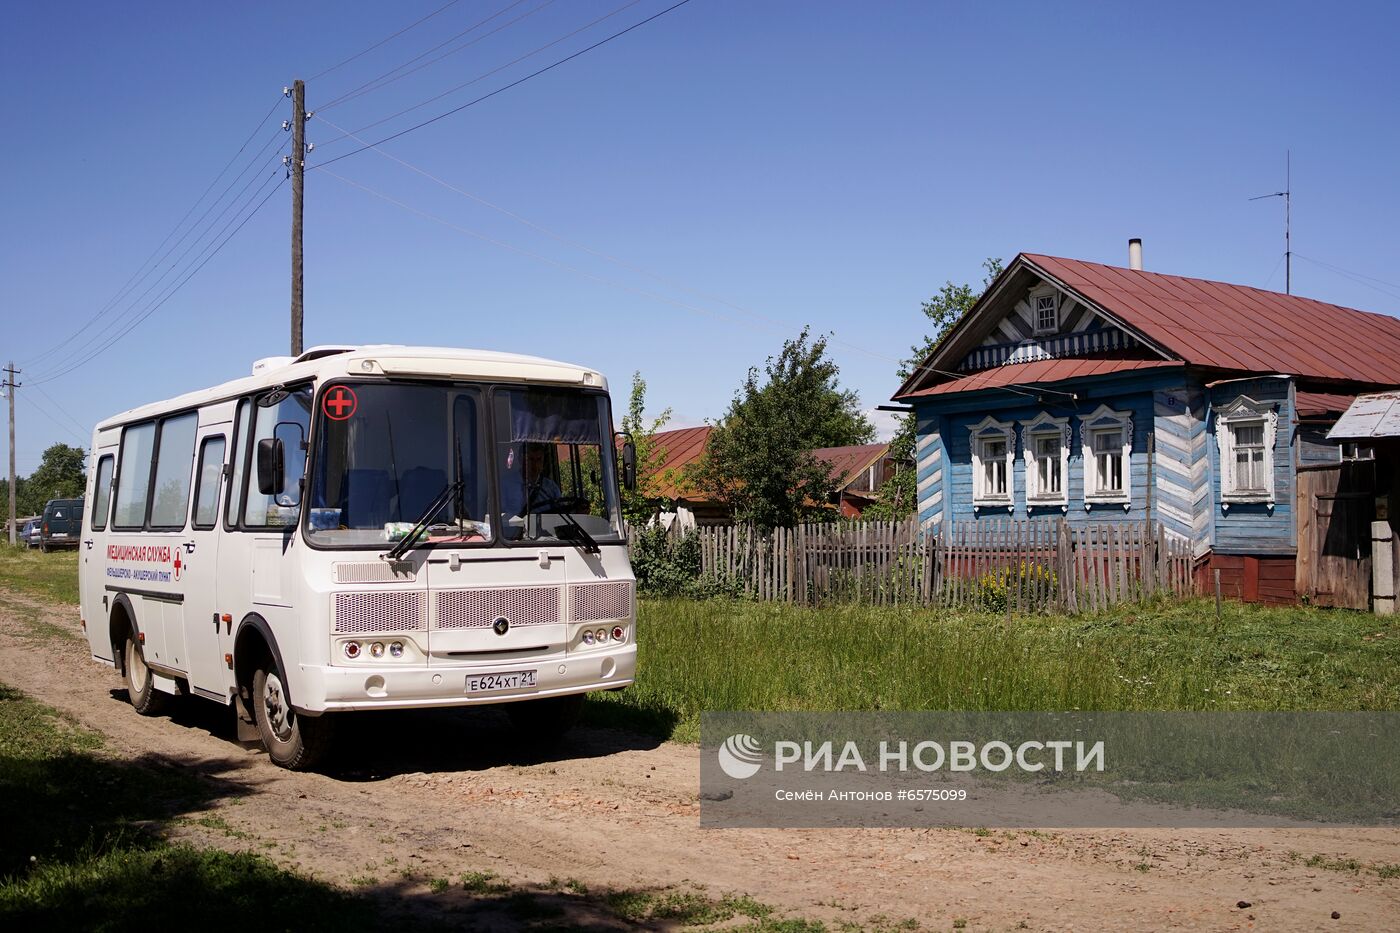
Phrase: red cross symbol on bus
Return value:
(339, 403)
(178, 564)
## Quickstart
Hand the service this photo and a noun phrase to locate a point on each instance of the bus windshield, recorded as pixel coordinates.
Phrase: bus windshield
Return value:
(389, 451)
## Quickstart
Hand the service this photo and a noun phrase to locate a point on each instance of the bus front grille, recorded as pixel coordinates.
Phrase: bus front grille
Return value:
(597, 602)
(367, 613)
(520, 605)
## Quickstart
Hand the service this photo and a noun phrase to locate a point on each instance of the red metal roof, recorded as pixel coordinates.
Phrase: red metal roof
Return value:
(1039, 371)
(683, 447)
(849, 464)
(1314, 404)
(1236, 327)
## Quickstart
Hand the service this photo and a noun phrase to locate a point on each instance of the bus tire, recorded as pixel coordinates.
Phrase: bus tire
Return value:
(294, 742)
(140, 685)
(547, 719)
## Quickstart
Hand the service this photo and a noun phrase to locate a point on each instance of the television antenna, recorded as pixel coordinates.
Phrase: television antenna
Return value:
(1287, 195)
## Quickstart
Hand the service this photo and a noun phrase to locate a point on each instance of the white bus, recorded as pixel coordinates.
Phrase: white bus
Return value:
(364, 528)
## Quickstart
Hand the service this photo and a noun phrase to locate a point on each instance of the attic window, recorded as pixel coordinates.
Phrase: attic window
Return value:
(1047, 313)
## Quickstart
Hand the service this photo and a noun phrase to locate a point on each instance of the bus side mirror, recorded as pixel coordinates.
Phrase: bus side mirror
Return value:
(629, 466)
(270, 471)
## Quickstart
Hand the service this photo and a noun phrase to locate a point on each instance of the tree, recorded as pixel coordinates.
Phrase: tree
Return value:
(651, 456)
(60, 475)
(943, 311)
(898, 497)
(759, 458)
(637, 508)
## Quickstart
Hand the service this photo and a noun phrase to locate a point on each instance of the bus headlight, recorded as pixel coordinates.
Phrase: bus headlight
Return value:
(376, 650)
(396, 649)
(619, 633)
(589, 638)
(352, 650)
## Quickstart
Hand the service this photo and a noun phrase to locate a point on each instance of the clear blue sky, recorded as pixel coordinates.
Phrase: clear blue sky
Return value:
(813, 163)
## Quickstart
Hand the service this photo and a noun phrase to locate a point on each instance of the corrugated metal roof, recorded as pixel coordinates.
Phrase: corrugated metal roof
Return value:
(1315, 404)
(1373, 415)
(1236, 327)
(848, 464)
(683, 447)
(1040, 371)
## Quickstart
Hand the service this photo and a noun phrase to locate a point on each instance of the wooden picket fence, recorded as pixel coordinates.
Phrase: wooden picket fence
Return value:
(997, 565)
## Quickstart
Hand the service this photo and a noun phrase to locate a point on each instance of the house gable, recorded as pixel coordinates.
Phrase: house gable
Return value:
(1007, 326)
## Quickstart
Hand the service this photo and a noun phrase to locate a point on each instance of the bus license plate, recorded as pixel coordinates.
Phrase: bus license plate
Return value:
(490, 683)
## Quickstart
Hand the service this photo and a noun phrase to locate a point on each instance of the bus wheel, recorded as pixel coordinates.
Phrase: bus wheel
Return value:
(294, 742)
(546, 719)
(140, 685)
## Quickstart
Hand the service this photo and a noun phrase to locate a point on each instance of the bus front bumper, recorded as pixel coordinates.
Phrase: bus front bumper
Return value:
(389, 687)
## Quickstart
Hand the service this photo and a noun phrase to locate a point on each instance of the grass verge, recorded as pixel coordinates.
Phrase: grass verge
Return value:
(78, 852)
(28, 570)
(737, 655)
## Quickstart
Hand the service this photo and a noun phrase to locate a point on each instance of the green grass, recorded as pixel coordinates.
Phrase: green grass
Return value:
(737, 655)
(75, 853)
(52, 576)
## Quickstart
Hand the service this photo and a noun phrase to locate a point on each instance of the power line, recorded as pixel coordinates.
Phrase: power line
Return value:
(1356, 277)
(384, 80)
(142, 271)
(517, 82)
(779, 327)
(59, 424)
(413, 25)
(171, 293)
(486, 74)
(156, 284)
(63, 411)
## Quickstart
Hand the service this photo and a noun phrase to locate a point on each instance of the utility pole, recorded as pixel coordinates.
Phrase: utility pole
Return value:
(10, 386)
(298, 169)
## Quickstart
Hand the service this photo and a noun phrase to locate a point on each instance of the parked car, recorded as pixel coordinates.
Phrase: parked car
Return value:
(29, 532)
(62, 524)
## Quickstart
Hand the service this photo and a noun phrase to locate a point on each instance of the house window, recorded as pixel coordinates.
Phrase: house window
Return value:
(1047, 313)
(1047, 455)
(993, 452)
(1108, 460)
(1245, 435)
(1108, 447)
(1249, 457)
(994, 469)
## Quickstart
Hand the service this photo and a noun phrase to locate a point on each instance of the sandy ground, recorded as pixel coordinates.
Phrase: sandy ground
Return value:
(420, 796)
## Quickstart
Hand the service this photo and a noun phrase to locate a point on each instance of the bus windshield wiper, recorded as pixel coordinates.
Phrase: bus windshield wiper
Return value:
(402, 547)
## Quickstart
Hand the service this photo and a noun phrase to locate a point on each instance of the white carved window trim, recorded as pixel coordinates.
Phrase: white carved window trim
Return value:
(1038, 327)
(1104, 419)
(1245, 412)
(1040, 428)
(991, 430)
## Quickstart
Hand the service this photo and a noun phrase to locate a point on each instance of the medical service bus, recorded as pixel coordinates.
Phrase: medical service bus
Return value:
(364, 528)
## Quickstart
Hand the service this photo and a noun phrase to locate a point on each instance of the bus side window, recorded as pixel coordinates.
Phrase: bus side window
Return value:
(174, 460)
(206, 490)
(289, 419)
(134, 477)
(240, 464)
(102, 493)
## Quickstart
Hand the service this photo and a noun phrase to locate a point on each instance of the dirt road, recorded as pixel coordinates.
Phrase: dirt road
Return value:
(433, 796)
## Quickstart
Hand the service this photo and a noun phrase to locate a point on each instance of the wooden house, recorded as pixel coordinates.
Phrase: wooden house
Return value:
(858, 471)
(1096, 393)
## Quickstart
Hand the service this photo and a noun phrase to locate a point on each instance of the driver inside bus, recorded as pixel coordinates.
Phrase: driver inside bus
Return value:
(541, 491)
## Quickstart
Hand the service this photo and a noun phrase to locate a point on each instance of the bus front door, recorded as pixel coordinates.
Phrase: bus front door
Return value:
(208, 635)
